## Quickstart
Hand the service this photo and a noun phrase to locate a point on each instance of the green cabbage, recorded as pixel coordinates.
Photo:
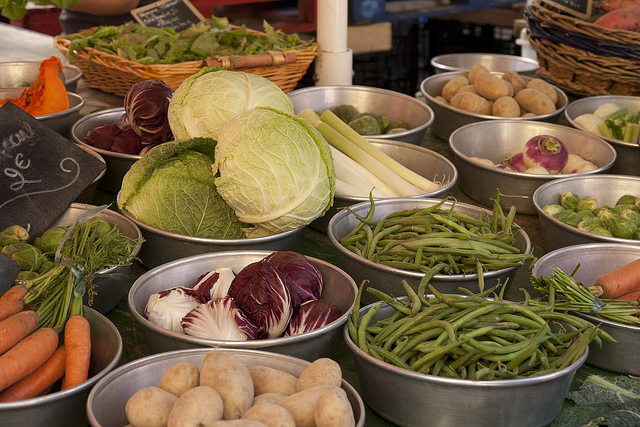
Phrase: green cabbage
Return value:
(275, 171)
(206, 101)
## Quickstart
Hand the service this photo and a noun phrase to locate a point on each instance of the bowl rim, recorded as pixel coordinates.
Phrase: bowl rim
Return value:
(574, 230)
(69, 111)
(344, 252)
(605, 98)
(542, 177)
(436, 60)
(77, 72)
(249, 344)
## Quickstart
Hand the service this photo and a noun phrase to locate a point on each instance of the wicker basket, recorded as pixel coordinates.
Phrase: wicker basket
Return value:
(581, 57)
(114, 74)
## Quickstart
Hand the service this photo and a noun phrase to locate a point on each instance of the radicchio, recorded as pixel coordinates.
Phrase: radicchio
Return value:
(167, 308)
(261, 292)
(219, 320)
(146, 105)
(304, 278)
(115, 136)
(215, 284)
(312, 315)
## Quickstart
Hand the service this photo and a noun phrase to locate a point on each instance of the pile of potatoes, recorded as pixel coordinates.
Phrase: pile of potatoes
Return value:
(225, 392)
(481, 92)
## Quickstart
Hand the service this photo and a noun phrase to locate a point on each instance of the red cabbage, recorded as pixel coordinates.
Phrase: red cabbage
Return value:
(304, 278)
(219, 320)
(312, 315)
(146, 105)
(115, 136)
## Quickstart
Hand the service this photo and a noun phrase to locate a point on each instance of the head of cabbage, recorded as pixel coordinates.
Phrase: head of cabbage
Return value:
(206, 101)
(274, 169)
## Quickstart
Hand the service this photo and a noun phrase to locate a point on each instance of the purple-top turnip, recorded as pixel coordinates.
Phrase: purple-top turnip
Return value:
(546, 151)
(516, 162)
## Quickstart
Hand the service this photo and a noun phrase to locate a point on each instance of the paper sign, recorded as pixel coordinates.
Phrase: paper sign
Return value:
(41, 172)
(579, 8)
(176, 14)
(8, 272)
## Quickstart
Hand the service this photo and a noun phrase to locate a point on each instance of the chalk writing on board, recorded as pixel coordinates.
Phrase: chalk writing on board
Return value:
(579, 8)
(176, 14)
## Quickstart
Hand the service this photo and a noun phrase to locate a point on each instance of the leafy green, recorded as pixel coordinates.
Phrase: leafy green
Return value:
(17, 9)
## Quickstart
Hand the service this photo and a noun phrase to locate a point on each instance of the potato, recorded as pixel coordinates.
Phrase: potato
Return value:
(334, 410)
(544, 87)
(231, 379)
(271, 415)
(441, 100)
(468, 88)
(534, 101)
(505, 107)
(492, 87)
(323, 371)
(302, 404)
(150, 407)
(475, 70)
(528, 115)
(270, 380)
(199, 406)
(453, 85)
(269, 398)
(238, 423)
(517, 81)
(179, 378)
(471, 102)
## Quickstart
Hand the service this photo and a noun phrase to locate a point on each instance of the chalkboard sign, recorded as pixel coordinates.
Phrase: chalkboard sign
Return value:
(579, 8)
(8, 272)
(41, 172)
(176, 14)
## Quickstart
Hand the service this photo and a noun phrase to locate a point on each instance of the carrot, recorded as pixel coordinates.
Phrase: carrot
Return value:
(14, 293)
(632, 296)
(619, 282)
(9, 308)
(16, 327)
(77, 339)
(27, 355)
(39, 381)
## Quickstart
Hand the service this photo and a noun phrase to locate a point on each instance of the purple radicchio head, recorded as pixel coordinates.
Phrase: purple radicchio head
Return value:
(167, 308)
(215, 284)
(304, 278)
(312, 315)
(146, 105)
(219, 319)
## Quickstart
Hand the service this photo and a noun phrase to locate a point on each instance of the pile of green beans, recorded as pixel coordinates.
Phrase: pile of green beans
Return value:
(471, 336)
(422, 239)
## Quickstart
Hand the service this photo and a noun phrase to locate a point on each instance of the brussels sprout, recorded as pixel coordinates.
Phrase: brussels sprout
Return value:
(587, 203)
(395, 130)
(586, 214)
(397, 126)
(552, 209)
(25, 276)
(13, 234)
(601, 231)
(383, 120)
(366, 125)
(621, 207)
(49, 241)
(602, 209)
(99, 226)
(618, 226)
(345, 112)
(24, 254)
(568, 217)
(568, 200)
(589, 224)
(627, 199)
(631, 215)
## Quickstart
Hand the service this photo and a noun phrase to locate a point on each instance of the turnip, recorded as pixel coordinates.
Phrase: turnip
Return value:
(538, 170)
(483, 161)
(505, 166)
(516, 162)
(545, 151)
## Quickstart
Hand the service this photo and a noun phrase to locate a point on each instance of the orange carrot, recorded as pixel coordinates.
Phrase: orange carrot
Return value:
(14, 293)
(39, 381)
(27, 355)
(77, 340)
(633, 296)
(619, 282)
(16, 327)
(9, 308)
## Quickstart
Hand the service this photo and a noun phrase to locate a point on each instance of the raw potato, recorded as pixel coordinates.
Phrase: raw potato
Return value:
(544, 87)
(179, 378)
(269, 398)
(517, 81)
(334, 410)
(492, 87)
(150, 407)
(238, 423)
(442, 100)
(200, 406)
(231, 379)
(468, 88)
(453, 85)
(505, 107)
(270, 380)
(302, 404)
(323, 371)
(475, 69)
(536, 102)
(271, 415)
(471, 102)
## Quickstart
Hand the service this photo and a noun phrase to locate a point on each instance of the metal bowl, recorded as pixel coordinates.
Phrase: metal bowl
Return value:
(339, 289)
(493, 62)
(68, 407)
(88, 193)
(23, 73)
(410, 398)
(388, 279)
(498, 139)
(421, 160)
(450, 119)
(107, 400)
(606, 188)
(393, 105)
(596, 259)
(628, 153)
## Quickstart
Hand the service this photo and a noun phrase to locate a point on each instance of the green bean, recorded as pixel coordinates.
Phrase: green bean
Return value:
(362, 341)
(393, 302)
(392, 358)
(426, 361)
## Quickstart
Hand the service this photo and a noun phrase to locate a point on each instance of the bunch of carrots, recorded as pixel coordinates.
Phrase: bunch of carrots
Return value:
(623, 283)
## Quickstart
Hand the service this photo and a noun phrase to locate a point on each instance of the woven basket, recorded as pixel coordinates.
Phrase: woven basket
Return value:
(114, 74)
(581, 57)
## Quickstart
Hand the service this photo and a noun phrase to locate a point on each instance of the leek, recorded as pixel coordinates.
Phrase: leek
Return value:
(350, 172)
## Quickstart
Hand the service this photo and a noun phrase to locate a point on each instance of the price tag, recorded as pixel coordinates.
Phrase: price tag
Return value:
(41, 172)
(578, 8)
(176, 14)
(8, 272)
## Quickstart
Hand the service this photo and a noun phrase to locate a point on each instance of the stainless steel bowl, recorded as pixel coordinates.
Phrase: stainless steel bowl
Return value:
(107, 400)
(493, 62)
(421, 160)
(339, 289)
(88, 193)
(388, 279)
(606, 188)
(118, 164)
(498, 139)
(414, 399)
(23, 73)
(628, 153)
(596, 259)
(68, 407)
(393, 105)
(450, 119)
